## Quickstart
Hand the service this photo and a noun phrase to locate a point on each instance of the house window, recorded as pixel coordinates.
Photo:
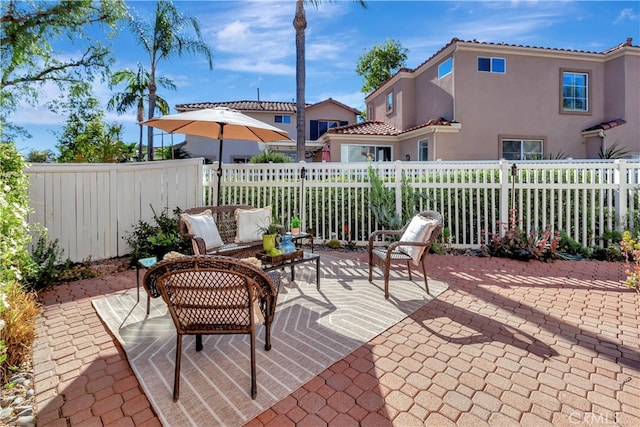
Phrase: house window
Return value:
(389, 102)
(423, 150)
(370, 114)
(575, 92)
(492, 65)
(365, 153)
(522, 149)
(319, 127)
(283, 119)
(445, 68)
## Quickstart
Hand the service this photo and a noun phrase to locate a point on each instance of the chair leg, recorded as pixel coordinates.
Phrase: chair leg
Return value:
(198, 342)
(176, 375)
(370, 271)
(424, 274)
(254, 385)
(267, 328)
(409, 269)
(386, 281)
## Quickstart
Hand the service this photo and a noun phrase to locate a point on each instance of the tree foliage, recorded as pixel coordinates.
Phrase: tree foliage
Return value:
(28, 57)
(135, 95)
(168, 35)
(379, 63)
(86, 138)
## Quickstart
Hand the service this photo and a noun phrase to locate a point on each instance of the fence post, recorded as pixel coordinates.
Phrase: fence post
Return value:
(621, 204)
(398, 187)
(505, 172)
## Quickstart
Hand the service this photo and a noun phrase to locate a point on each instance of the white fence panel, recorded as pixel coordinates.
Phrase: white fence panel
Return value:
(90, 208)
(585, 199)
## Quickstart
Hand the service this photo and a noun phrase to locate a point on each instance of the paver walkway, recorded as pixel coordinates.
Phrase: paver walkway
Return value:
(510, 343)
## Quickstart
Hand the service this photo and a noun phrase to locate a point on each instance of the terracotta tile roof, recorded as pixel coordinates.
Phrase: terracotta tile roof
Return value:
(366, 128)
(382, 129)
(333, 101)
(289, 107)
(606, 125)
(274, 106)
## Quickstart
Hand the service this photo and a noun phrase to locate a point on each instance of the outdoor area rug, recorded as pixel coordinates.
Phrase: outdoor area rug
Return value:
(312, 330)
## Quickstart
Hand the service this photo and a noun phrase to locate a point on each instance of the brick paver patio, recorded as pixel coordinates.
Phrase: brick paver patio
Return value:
(509, 343)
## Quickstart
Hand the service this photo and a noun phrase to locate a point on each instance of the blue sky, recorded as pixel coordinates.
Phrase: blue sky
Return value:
(253, 44)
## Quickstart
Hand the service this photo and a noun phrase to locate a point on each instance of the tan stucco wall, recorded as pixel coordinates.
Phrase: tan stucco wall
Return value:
(524, 102)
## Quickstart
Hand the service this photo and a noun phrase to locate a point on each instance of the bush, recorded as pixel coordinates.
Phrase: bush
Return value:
(19, 327)
(270, 157)
(157, 239)
(517, 244)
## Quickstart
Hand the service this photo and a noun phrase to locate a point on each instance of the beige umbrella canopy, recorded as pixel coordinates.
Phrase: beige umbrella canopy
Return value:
(218, 123)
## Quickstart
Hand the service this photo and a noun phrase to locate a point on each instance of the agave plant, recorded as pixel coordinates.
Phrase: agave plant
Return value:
(613, 152)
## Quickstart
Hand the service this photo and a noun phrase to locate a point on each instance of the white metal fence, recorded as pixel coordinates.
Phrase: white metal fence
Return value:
(90, 208)
(585, 199)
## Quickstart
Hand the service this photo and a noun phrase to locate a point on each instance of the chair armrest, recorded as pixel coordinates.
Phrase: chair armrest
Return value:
(374, 236)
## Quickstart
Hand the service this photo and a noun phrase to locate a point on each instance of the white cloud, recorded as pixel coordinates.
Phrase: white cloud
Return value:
(626, 14)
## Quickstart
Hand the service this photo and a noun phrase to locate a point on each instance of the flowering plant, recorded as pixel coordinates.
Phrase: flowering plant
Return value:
(631, 249)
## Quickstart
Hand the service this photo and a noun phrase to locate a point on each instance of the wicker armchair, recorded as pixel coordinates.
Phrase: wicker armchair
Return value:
(383, 256)
(214, 295)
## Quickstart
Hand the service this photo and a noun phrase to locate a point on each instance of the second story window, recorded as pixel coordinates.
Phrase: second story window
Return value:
(319, 127)
(492, 65)
(283, 119)
(575, 92)
(445, 68)
(389, 102)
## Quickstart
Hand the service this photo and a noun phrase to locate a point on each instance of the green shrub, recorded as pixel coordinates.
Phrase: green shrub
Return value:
(517, 244)
(270, 157)
(157, 239)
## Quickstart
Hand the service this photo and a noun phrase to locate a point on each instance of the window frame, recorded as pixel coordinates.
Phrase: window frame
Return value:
(491, 68)
(389, 101)
(376, 149)
(522, 140)
(563, 110)
(423, 142)
(442, 75)
(284, 118)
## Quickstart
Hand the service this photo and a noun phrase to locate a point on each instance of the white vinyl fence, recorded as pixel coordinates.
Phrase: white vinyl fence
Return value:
(586, 199)
(90, 208)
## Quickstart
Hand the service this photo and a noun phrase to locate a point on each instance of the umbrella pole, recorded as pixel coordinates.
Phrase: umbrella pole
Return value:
(220, 160)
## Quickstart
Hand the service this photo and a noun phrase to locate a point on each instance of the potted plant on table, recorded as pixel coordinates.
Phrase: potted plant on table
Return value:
(269, 233)
(295, 224)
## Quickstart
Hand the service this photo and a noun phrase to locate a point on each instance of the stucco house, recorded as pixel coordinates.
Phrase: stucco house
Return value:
(484, 101)
(319, 118)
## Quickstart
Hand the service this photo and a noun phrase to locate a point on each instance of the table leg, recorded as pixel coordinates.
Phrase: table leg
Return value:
(138, 282)
(318, 273)
(293, 273)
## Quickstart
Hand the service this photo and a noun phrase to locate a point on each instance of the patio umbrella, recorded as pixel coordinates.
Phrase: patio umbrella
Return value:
(218, 123)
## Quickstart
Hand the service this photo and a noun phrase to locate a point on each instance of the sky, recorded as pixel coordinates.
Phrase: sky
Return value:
(253, 44)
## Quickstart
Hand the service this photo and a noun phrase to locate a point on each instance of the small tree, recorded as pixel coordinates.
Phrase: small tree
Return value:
(380, 63)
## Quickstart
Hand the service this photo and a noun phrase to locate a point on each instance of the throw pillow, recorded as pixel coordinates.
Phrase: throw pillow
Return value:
(203, 225)
(419, 230)
(250, 222)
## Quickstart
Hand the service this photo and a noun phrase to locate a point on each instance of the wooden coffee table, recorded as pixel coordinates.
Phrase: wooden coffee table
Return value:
(306, 257)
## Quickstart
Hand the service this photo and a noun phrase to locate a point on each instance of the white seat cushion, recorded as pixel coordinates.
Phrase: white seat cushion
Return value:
(202, 225)
(419, 230)
(250, 222)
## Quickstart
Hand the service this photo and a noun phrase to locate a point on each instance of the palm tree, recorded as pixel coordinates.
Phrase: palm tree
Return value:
(300, 25)
(167, 37)
(135, 95)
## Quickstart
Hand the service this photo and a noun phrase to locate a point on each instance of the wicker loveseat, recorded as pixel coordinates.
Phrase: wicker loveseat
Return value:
(224, 217)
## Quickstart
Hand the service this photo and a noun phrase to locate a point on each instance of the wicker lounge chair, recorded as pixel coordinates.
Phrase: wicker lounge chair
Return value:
(214, 295)
(411, 246)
